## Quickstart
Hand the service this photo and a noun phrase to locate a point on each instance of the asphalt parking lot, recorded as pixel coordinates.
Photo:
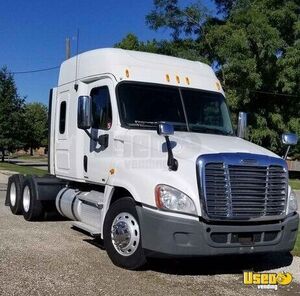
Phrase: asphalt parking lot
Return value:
(50, 258)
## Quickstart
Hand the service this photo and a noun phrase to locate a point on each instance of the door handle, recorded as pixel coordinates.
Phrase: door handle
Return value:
(85, 163)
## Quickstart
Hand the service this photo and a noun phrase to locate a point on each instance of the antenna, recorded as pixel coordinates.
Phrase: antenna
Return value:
(76, 63)
(68, 48)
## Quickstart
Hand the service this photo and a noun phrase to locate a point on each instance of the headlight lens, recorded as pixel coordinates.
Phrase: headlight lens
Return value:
(170, 198)
(292, 205)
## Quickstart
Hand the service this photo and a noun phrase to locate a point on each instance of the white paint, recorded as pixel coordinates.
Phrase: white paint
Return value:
(135, 155)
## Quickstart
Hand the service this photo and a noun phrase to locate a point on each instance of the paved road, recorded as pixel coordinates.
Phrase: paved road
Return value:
(49, 258)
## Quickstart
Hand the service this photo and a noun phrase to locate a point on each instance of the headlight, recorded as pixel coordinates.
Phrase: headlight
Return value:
(292, 202)
(169, 198)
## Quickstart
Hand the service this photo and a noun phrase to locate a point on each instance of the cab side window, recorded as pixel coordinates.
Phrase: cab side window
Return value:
(62, 117)
(101, 108)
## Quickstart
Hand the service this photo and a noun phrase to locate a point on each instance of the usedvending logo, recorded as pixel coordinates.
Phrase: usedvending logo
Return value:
(269, 281)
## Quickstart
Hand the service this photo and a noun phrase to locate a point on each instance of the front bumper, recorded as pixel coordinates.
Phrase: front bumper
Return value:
(168, 235)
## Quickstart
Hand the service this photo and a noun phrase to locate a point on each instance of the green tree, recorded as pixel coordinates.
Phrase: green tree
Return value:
(186, 48)
(254, 47)
(11, 110)
(36, 122)
(225, 6)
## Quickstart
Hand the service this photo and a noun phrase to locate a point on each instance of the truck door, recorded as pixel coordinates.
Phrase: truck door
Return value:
(62, 139)
(97, 158)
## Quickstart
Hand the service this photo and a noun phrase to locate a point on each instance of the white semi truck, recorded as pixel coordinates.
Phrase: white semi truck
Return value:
(142, 154)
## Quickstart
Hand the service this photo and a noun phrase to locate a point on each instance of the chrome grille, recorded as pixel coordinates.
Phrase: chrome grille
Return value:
(242, 191)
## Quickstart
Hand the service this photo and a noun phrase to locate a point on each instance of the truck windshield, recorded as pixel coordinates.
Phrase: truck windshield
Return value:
(143, 106)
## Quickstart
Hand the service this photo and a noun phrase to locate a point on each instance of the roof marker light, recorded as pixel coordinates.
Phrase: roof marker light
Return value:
(218, 85)
(168, 77)
(177, 79)
(187, 80)
(127, 73)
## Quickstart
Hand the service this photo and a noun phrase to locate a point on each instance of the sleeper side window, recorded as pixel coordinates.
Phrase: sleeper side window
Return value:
(62, 117)
(101, 108)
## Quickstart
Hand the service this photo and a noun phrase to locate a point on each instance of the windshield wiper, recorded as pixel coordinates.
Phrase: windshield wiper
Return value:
(141, 123)
(149, 123)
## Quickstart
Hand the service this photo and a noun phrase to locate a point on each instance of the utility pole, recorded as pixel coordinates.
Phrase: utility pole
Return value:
(68, 48)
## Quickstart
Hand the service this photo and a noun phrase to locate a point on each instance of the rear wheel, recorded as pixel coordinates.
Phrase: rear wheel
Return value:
(31, 207)
(122, 236)
(14, 192)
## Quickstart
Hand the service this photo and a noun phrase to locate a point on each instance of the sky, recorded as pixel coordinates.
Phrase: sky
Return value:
(33, 33)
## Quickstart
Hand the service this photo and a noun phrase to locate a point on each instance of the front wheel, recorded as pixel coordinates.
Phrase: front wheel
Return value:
(122, 235)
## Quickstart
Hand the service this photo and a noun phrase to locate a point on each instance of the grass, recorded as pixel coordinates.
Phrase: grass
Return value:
(26, 170)
(295, 184)
(296, 251)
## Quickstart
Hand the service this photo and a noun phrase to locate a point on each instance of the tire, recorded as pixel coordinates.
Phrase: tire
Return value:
(32, 208)
(123, 250)
(14, 193)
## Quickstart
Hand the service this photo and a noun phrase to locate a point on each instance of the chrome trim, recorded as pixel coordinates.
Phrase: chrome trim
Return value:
(242, 125)
(237, 159)
(125, 234)
(84, 114)
(13, 194)
(289, 139)
(165, 129)
(26, 199)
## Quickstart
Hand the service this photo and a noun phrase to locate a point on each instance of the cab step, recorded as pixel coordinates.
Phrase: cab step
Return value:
(93, 231)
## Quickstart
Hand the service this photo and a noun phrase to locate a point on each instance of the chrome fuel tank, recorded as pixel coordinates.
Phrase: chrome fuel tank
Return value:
(85, 207)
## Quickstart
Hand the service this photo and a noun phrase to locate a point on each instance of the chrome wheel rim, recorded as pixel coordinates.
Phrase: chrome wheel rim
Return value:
(13, 194)
(125, 234)
(26, 199)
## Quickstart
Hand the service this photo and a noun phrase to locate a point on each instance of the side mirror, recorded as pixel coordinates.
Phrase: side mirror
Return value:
(165, 129)
(242, 125)
(84, 114)
(289, 139)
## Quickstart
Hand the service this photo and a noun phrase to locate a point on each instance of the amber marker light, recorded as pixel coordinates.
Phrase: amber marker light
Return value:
(177, 79)
(157, 197)
(187, 80)
(218, 85)
(168, 77)
(127, 73)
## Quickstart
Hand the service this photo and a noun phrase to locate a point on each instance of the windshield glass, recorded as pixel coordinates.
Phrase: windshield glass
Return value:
(145, 105)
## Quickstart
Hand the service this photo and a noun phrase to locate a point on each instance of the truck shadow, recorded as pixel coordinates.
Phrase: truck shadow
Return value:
(220, 264)
(212, 265)
(53, 217)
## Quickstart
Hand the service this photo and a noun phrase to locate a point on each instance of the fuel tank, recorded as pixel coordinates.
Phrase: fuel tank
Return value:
(85, 207)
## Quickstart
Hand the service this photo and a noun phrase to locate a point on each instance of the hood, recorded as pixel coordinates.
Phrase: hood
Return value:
(190, 146)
